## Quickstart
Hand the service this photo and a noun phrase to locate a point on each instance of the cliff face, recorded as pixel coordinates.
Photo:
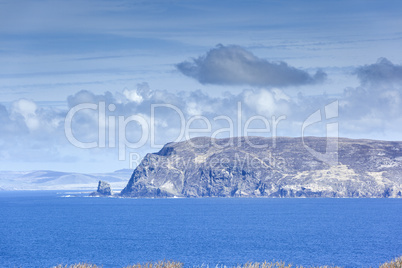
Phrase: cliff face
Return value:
(281, 167)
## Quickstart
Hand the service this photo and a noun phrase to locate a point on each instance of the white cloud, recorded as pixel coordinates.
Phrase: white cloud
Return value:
(26, 109)
(267, 102)
(138, 95)
(132, 95)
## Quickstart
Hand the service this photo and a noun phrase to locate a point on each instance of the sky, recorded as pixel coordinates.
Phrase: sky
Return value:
(93, 86)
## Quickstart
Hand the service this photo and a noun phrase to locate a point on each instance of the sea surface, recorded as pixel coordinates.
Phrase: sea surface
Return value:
(42, 229)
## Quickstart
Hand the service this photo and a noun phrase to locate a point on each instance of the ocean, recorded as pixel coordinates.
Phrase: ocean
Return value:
(42, 229)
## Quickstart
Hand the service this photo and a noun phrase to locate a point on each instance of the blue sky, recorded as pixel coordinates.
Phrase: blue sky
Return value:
(202, 56)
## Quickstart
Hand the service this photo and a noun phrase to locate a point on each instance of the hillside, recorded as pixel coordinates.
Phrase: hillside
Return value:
(55, 180)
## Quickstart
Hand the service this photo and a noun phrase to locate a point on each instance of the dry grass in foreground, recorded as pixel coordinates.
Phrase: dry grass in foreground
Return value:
(160, 264)
(396, 263)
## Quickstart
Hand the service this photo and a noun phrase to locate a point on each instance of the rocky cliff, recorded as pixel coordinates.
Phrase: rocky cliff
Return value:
(268, 167)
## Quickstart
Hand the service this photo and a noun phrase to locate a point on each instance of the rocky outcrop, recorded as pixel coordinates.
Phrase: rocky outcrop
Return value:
(268, 167)
(103, 189)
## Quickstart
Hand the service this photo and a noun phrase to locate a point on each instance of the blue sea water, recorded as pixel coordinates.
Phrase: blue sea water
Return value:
(42, 229)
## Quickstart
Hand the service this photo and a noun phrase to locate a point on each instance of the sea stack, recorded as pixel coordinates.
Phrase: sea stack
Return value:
(104, 189)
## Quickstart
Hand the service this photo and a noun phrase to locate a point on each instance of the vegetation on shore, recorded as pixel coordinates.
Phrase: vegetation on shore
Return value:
(396, 263)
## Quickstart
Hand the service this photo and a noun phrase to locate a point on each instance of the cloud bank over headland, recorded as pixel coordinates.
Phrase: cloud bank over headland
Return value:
(278, 58)
(33, 132)
(234, 65)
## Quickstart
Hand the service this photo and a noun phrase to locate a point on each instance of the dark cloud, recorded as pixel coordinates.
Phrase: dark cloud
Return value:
(379, 95)
(233, 65)
(381, 71)
(375, 105)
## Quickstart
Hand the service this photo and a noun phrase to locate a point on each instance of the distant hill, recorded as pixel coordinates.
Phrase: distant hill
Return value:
(286, 167)
(55, 180)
